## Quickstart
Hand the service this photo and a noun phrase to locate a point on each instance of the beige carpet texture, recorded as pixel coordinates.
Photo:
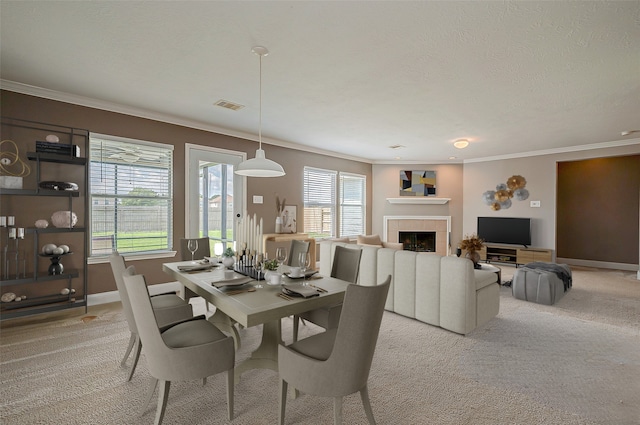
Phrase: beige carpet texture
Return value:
(576, 362)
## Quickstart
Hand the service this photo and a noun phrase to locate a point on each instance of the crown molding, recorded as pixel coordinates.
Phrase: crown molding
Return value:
(158, 116)
(555, 151)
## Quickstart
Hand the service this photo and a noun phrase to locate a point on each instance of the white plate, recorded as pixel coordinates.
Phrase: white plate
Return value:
(307, 274)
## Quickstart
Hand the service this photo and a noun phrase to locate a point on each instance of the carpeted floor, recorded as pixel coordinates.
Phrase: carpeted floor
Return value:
(576, 362)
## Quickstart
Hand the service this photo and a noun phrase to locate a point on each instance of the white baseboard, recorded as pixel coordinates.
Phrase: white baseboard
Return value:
(114, 296)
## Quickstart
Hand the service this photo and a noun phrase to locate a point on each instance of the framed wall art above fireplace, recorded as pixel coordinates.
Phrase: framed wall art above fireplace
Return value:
(417, 183)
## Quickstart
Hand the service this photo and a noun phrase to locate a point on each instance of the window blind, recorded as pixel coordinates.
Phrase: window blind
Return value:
(131, 191)
(352, 204)
(319, 202)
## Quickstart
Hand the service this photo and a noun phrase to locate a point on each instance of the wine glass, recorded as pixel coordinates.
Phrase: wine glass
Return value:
(192, 246)
(257, 266)
(281, 257)
(218, 249)
(304, 261)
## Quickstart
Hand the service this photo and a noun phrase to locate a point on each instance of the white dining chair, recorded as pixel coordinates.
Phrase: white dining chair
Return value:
(337, 362)
(168, 308)
(346, 265)
(187, 350)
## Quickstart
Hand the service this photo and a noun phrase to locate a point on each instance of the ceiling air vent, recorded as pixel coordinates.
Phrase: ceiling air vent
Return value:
(228, 105)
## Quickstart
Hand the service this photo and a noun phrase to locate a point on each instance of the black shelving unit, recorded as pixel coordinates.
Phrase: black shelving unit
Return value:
(47, 297)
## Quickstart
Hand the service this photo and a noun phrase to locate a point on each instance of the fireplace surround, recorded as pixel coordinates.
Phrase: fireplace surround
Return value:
(440, 225)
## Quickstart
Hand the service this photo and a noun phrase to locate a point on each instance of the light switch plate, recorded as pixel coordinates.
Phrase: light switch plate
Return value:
(535, 204)
(257, 199)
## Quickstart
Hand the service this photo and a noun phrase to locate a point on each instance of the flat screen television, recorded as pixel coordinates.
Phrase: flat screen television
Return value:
(507, 230)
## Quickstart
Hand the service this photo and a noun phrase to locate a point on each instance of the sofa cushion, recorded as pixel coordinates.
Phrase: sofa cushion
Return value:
(368, 275)
(457, 295)
(484, 278)
(404, 296)
(428, 287)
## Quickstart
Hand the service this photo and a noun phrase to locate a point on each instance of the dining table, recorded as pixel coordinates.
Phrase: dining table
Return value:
(251, 305)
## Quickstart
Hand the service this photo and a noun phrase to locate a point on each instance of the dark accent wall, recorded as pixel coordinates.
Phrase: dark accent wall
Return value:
(598, 204)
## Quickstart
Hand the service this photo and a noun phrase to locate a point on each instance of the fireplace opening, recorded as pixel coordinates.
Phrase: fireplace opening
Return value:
(418, 241)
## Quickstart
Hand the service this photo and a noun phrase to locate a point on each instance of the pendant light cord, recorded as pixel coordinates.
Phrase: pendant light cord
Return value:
(260, 108)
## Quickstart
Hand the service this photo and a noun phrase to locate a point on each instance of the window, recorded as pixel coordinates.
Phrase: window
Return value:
(320, 203)
(352, 204)
(131, 191)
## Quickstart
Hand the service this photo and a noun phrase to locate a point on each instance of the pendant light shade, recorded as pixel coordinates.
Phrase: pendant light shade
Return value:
(260, 166)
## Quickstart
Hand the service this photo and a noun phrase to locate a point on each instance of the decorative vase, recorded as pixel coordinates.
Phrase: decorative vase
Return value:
(228, 262)
(278, 224)
(475, 257)
(273, 277)
(56, 266)
(64, 219)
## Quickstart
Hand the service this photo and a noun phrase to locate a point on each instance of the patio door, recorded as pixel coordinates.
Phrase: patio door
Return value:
(214, 194)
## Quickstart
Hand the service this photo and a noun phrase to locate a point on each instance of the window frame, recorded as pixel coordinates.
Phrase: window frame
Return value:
(332, 205)
(341, 202)
(167, 184)
(337, 201)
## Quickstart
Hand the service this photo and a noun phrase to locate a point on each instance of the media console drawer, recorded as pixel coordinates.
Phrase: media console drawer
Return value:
(506, 254)
(529, 255)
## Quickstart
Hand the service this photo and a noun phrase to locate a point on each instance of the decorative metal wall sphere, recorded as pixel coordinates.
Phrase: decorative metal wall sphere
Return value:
(521, 194)
(506, 204)
(516, 182)
(502, 195)
(489, 197)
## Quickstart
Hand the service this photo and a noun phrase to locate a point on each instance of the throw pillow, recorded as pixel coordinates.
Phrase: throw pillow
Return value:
(369, 240)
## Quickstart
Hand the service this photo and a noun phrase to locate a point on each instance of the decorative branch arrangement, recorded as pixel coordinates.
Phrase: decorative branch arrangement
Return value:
(501, 197)
(279, 206)
(471, 243)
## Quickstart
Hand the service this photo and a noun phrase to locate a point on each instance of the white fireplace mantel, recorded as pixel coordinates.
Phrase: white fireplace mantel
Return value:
(418, 200)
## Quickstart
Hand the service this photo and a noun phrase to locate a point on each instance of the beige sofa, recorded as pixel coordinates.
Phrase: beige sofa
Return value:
(441, 291)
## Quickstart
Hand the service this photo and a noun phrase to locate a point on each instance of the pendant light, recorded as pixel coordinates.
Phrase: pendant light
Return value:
(260, 166)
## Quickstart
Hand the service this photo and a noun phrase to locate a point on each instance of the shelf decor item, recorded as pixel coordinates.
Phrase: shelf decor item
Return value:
(12, 168)
(56, 266)
(64, 219)
(472, 244)
(42, 224)
(55, 185)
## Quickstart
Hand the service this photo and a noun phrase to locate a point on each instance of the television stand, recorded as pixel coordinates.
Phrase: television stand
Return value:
(493, 253)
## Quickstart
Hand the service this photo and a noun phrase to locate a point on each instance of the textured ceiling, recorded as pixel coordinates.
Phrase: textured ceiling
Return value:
(349, 77)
